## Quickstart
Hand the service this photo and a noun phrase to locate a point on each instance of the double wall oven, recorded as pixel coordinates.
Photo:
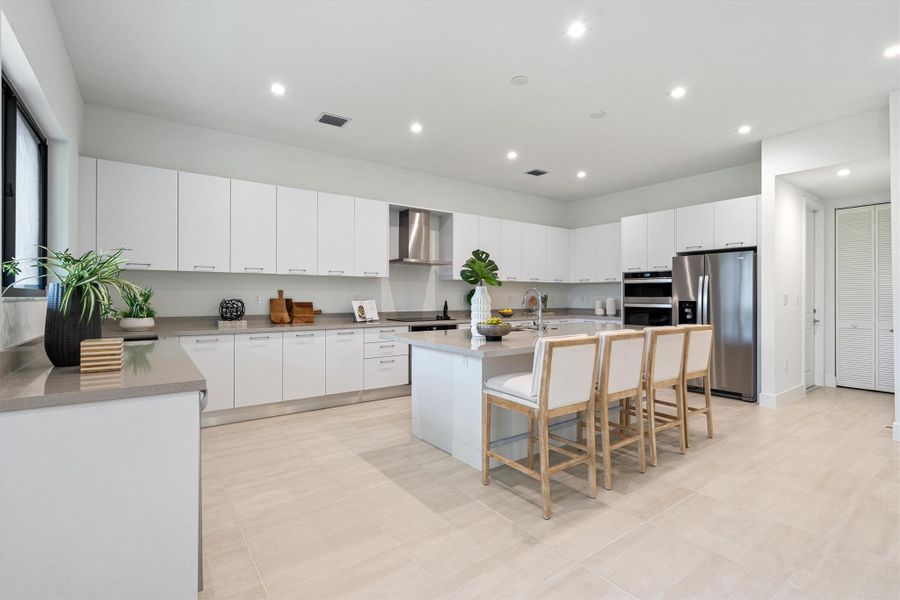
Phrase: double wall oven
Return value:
(647, 298)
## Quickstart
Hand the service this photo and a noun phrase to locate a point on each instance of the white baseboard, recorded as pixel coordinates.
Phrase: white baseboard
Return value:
(782, 398)
(830, 381)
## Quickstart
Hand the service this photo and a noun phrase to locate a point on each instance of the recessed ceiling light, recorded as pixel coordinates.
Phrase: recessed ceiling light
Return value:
(892, 51)
(843, 172)
(598, 114)
(512, 155)
(744, 129)
(576, 29)
(416, 128)
(277, 89)
(678, 92)
(580, 174)
(519, 80)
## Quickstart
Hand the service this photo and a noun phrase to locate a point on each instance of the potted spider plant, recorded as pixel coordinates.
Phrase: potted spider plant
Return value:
(138, 314)
(481, 271)
(77, 300)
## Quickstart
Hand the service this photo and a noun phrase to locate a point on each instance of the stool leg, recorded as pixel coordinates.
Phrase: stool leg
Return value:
(592, 452)
(686, 410)
(485, 441)
(531, 441)
(580, 428)
(642, 453)
(708, 393)
(651, 422)
(604, 443)
(543, 426)
(679, 415)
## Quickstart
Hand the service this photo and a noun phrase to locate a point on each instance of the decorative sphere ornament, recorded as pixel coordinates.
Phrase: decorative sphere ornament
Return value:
(231, 310)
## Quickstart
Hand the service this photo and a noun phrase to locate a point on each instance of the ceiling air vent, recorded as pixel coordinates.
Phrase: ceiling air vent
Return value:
(330, 119)
(536, 172)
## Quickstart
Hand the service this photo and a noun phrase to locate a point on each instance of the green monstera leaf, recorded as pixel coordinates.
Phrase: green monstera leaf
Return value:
(480, 269)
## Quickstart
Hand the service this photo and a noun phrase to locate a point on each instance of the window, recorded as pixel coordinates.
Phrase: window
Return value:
(24, 192)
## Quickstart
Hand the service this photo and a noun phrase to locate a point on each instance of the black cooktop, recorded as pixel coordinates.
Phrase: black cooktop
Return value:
(420, 317)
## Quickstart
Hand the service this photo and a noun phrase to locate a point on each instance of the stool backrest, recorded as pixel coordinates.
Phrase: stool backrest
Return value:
(621, 363)
(567, 372)
(665, 353)
(698, 348)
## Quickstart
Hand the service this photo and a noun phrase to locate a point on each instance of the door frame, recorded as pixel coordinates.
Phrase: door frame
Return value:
(818, 359)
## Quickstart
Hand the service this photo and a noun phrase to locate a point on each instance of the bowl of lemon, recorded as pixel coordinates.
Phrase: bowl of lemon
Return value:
(493, 329)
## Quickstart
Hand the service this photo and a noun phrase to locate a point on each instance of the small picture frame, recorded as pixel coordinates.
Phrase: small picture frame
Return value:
(365, 311)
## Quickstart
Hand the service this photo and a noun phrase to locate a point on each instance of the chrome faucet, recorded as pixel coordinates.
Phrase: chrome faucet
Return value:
(539, 324)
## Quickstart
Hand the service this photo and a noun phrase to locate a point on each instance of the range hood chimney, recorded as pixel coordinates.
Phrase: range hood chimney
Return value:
(415, 239)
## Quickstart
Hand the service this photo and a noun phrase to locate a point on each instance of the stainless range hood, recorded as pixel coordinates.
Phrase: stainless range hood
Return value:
(415, 239)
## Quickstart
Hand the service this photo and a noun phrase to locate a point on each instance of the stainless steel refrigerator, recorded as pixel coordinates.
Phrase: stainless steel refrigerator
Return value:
(720, 288)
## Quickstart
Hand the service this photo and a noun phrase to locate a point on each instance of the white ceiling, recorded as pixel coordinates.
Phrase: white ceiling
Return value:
(778, 65)
(866, 177)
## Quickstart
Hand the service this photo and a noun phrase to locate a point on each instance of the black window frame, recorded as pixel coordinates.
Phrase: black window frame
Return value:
(10, 106)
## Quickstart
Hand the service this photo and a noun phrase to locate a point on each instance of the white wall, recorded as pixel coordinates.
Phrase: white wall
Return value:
(856, 138)
(895, 247)
(733, 182)
(34, 56)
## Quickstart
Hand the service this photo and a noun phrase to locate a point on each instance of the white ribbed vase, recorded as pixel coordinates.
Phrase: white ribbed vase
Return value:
(481, 307)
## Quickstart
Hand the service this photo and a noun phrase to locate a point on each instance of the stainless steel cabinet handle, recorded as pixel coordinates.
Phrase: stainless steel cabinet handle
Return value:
(634, 268)
(339, 272)
(137, 264)
(557, 279)
(304, 335)
(384, 362)
(259, 337)
(587, 279)
(346, 332)
(692, 247)
(660, 266)
(512, 278)
(128, 249)
(370, 272)
(535, 279)
(734, 244)
(611, 278)
(385, 331)
(296, 270)
(206, 340)
(386, 346)
(204, 267)
(253, 269)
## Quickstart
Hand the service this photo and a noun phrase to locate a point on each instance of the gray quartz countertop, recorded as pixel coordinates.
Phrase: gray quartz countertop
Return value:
(149, 369)
(169, 327)
(460, 341)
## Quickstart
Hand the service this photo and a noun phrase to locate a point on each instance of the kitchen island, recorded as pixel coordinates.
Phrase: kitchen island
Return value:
(448, 369)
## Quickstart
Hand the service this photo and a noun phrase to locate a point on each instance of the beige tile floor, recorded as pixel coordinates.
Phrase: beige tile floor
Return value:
(799, 502)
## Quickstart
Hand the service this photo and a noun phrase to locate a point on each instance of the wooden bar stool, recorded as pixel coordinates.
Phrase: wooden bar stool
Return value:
(619, 379)
(664, 369)
(562, 382)
(698, 356)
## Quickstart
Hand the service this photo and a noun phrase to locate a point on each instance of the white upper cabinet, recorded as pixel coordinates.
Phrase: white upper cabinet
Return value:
(336, 229)
(511, 251)
(465, 240)
(694, 227)
(87, 204)
(204, 217)
(634, 243)
(559, 253)
(608, 252)
(297, 224)
(735, 222)
(660, 240)
(534, 252)
(585, 248)
(371, 238)
(489, 238)
(253, 230)
(137, 209)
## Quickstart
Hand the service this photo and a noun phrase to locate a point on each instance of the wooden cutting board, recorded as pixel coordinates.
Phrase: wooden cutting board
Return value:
(279, 312)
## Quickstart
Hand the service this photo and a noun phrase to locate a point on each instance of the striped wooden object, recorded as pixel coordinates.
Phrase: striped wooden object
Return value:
(99, 355)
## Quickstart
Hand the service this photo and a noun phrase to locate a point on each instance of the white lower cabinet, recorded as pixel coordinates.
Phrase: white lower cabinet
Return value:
(214, 356)
(257, 368)
(344, 360)
(386, 371)
(303, 365)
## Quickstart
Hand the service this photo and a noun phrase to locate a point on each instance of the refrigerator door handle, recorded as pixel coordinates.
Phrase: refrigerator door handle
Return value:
(701, 311)
(706, 299)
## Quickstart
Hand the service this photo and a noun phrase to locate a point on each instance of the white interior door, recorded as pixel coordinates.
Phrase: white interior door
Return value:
(811, 320)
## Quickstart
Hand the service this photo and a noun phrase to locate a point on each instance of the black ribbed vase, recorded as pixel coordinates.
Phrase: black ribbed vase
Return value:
(63, 332)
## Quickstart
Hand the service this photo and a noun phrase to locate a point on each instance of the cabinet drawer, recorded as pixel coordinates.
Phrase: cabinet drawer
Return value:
(257, 368)
(373, 334)
(303, 365)
(385, 372)
(384, 348)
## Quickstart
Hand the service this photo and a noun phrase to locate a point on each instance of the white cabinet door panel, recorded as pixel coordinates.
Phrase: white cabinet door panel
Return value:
(559, 254)
(204, 223)
(489, 237)
(694, 227)
(584, 249)
(634, 243)
(214, 356)
(465, 240)
(375, 334)
(87, 204)
(303, 365)
(511, 250)
(336, 234)
(534, 252)
(257, 368)
(386, 372)
(660, 240)
(253, 227)
(297, 250)
(735, 223)
(371, 238)
(344, 360)
(137, 209)
(385, 348)
(608, 252)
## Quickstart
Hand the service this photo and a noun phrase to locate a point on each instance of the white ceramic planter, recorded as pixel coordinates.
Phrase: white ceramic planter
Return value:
(130, 324)
(481, 308)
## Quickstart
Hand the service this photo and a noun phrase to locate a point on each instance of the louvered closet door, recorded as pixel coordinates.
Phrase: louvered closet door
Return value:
(855, 297)
(884, 327)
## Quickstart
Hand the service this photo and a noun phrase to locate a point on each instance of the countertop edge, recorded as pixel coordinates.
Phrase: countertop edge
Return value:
(90, 396)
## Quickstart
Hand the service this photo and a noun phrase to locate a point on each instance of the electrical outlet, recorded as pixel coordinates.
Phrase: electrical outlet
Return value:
(785, 300)
(258, 299)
